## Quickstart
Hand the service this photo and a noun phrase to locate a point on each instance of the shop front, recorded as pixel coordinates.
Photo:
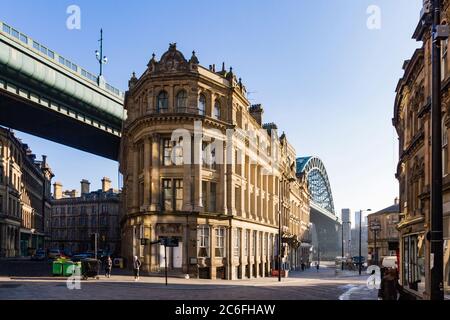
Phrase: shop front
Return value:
(413, 263)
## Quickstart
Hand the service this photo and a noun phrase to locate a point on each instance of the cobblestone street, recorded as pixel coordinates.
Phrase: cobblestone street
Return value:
(307, 285)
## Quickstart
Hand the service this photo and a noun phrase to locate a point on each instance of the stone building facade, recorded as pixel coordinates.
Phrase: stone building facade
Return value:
(24, 198)
(76, 217)
(412, 120)
(199, 165)
(383, 224)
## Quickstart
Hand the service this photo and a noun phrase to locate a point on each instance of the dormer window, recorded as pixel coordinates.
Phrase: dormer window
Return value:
(216, 111)
(162, 103)
(181, 101)
(202, 105)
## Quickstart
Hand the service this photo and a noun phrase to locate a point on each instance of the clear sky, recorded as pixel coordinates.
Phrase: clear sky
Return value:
(321, 74)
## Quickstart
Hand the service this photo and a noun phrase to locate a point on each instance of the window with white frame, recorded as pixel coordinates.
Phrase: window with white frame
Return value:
(203, 241)
(167, 151)
(220, 242)
(237, 242)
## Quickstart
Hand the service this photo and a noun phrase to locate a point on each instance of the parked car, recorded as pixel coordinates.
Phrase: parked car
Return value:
(82, 256)
(67, 253)
(39, 255)
(359, 260)
(54, 254)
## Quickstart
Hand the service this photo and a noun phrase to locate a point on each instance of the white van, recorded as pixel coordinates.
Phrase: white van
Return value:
(390, 262)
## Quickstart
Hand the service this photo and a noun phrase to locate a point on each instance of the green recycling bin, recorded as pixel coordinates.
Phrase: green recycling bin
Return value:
(57, 268)
(68, 268)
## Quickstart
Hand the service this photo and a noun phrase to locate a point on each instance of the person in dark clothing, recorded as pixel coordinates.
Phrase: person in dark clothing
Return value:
(389, 287)
(108, 267)
(136, 267)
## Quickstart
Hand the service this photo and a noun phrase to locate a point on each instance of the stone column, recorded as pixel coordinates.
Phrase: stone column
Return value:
(241, 254)
(224, 194)
(135, 192)
(147, 176)
(266, 198)
(171, 99)
(213, 271)
(155, 185)
(150, 101)
(261, 195)
(255, 193)
(198, 192)
(248, 196)
(257, 255)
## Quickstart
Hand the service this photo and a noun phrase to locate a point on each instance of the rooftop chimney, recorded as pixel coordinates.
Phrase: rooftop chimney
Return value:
(57, 190)
(44, 161)
(85, 186)
(106, 184)
(256, 111)
(396, 201)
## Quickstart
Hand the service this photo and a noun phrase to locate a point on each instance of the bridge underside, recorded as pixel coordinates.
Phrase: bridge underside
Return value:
(24, 115)
(327, 238)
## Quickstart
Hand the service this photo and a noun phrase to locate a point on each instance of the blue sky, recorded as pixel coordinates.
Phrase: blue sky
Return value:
(320, 73)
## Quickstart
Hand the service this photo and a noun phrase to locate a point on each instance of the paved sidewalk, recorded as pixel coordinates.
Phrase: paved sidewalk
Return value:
(301, 285)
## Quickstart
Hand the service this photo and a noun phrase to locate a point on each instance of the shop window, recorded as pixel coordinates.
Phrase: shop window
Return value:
(414, 263)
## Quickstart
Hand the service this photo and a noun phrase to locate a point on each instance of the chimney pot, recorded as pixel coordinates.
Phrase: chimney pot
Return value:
(106, 184)
(57, 190)
(85, 186)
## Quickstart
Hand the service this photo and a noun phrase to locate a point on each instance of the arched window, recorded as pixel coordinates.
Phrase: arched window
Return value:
(181, 101)
(202, 105)
(162, 103)
(216, 111)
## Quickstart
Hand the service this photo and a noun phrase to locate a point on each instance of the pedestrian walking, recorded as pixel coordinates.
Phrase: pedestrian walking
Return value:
(108, 267)
(389, 287)
(317, 266)
(136, 267)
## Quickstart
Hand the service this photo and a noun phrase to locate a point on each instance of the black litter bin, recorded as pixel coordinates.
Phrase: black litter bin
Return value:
(90, 268)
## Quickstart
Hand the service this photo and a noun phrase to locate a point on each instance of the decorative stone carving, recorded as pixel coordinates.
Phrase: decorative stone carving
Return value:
(173, 61)
(169, 229)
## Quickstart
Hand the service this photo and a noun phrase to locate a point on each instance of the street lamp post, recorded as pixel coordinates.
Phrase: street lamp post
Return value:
(360, 232)
(439, 33)
(100, 57)
(375, 227)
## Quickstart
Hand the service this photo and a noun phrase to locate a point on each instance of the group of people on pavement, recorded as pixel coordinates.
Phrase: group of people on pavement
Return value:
(108, 263)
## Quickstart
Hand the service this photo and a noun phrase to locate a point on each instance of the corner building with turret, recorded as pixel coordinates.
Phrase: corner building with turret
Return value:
(192, 171)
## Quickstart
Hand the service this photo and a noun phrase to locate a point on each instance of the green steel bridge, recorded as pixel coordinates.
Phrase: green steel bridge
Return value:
(47, 95)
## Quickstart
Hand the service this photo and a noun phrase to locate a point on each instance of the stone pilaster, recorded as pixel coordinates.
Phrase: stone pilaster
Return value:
(135, 188)
(156, 184)
(147, 176)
